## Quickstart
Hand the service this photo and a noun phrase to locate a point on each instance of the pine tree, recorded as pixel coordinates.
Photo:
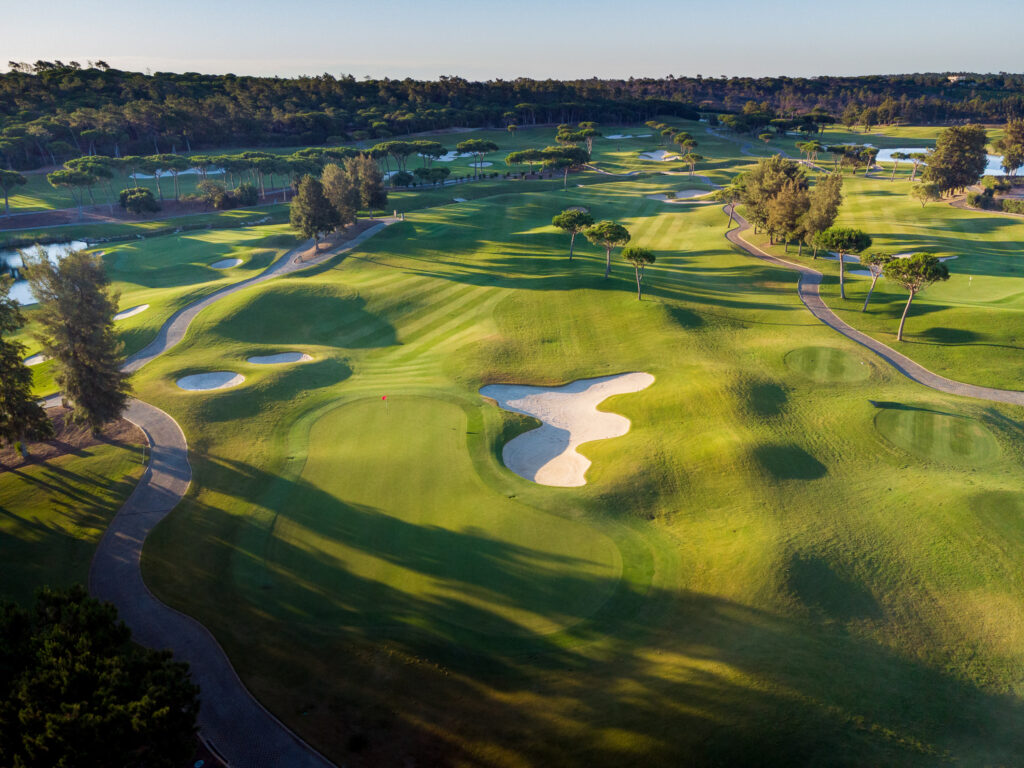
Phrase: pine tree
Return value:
(311, 212)
(76, 315)
(786, 211)
(826, 197)
(21, 417)
(341, 193)
(372, 195)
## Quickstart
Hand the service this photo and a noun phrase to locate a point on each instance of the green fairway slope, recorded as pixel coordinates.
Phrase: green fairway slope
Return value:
(757, 573)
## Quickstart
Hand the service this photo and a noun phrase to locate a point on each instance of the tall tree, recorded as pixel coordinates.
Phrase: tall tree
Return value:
(639, 258)
(843, 240)
(896, 157)
(76, 182)
(372, 194)
(915, 273)
(76, 321)
(959, 158)
(312, 214)
(572, 221)
(786, 212)
(341, 193)
(1011, 146)
(21, 416)
(608, 235)
(875, 262)
(478, 148)
(762, 183)
(917, 158)
(76, 691)
(691, 159)
(825, 198)
(8, 181)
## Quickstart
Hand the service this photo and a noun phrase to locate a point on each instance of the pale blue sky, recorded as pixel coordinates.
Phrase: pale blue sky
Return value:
(482, 39)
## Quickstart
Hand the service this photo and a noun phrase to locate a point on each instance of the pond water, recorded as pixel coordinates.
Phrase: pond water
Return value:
(993, 168)
(11, 263)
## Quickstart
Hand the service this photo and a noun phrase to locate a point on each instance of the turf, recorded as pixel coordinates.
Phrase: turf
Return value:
(52, 516)
(783, 599)
(944, 437)
(777, 565)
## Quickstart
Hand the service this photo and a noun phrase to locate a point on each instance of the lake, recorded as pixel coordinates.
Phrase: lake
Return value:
(11, 262)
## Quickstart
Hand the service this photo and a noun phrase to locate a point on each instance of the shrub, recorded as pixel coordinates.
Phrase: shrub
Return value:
(246, 195)
(401, 179)
(138, 200)
(1013, 206)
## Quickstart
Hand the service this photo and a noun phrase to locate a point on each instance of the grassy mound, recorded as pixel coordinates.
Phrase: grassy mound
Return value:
(827, 364)
(943, 437)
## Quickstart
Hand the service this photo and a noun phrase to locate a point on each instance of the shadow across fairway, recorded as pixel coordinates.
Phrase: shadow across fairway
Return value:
(393, 669)
(789, 462)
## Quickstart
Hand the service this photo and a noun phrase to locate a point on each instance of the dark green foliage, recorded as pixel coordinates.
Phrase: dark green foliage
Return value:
(312, 214)
(401, 179)
(75, 691)
(342, 191)
(1011, 146)
(608, 235)
(914, 273)
(21, 417)
(139, 200)
(843, 240)
(764, 181)
(572, 221)
(639, 258)
(959, 158)
(76, 322)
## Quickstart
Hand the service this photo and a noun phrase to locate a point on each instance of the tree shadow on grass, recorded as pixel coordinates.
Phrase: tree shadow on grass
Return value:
(789, 462)
(679, 677)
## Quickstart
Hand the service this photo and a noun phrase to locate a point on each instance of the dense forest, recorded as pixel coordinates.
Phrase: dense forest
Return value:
(50, 111)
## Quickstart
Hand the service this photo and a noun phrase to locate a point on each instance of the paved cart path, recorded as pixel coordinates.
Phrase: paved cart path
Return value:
(808, 288)
(231, 720)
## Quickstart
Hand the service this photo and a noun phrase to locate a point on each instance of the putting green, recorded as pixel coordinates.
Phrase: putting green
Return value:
(940, 436)
(827, 364)
(384, 542)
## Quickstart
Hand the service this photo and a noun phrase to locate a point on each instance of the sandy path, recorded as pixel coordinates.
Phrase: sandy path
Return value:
(548, 455)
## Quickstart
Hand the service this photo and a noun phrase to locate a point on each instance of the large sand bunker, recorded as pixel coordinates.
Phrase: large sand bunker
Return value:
(202, 382)
(36, 359)
(283, 357)
(548, 455)
(226, 263)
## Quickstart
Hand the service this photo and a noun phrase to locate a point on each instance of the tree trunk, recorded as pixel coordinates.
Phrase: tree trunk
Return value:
(894, 167)
(639, 293)
(874, 279)
(158, 187)
(572, 241)
(732, 211)
(842, 274)
(899, 333)
(607, 261)
(800, 249)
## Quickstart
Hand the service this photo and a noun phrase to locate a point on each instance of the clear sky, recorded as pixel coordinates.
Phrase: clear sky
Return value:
(481, 39)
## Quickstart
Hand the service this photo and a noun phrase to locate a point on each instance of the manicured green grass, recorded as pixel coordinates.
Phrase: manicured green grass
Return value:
(168, 273)
(52, 515)
(827, 364)
(967, 328)
(795, 587)
(944, 437)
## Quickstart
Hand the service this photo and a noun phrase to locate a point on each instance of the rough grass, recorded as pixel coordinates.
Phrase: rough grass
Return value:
(52, 515)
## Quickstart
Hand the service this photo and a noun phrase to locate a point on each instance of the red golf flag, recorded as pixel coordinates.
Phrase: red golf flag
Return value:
(384, 397)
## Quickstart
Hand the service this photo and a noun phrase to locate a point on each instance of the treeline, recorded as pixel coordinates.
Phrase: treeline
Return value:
(50, 111)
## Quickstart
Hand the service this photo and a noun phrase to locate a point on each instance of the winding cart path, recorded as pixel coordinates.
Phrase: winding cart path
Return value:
(231, 720)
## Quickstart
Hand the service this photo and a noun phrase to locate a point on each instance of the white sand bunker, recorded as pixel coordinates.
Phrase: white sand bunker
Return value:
(621, 136)
(125, 313)
(570, 418)
(226, 263)
(484, 164)
(36, 359)
(283, 357)
(452, 155)
(459, 200)
(680, 195)
(659, 155)
(201, 382)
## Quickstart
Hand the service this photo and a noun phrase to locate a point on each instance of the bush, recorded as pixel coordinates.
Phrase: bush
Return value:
(401, 179)
(1013, 206)
(246, 195)
(138, 200)
(995, 184)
